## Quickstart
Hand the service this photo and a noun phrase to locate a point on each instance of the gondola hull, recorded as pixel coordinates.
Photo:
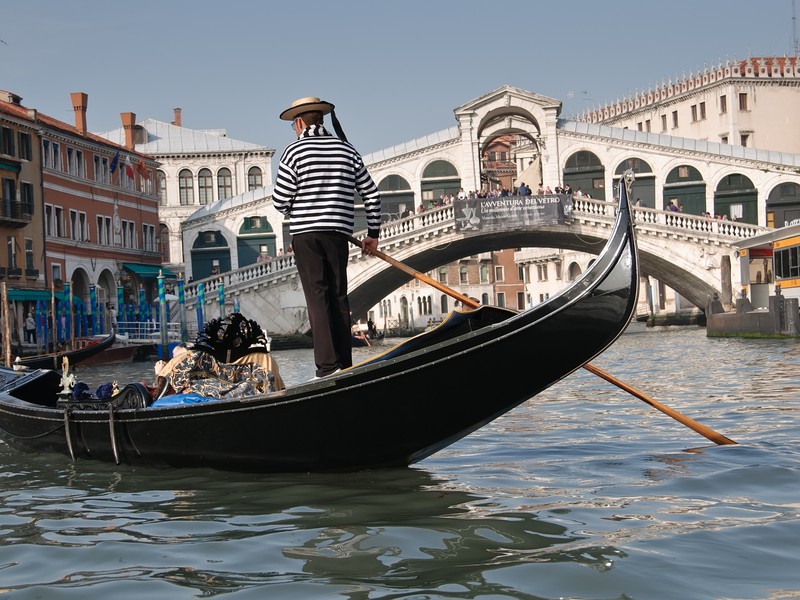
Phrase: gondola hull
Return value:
(393, 410)
(53, 360)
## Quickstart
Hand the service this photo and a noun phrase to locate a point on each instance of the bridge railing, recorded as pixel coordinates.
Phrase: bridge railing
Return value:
(277, 268)
(665, 219)
(695, 223)
(263, 272)
(589, 206)
(433, 220)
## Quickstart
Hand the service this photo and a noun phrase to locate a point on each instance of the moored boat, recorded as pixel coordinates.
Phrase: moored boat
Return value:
(121, 351)
(392, 410)
(83, 350)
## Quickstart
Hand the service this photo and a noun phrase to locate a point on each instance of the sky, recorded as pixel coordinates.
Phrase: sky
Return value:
(395, 70)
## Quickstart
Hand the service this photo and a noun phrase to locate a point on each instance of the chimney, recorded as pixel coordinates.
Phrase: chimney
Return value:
(177, 120)
(79, 103)
(10, 97)
(128, 121)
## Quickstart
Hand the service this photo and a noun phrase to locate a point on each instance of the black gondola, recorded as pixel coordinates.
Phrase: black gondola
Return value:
(392, 410)
(53, 359)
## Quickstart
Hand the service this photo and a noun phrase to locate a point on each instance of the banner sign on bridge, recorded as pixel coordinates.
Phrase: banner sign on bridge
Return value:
(486, 214)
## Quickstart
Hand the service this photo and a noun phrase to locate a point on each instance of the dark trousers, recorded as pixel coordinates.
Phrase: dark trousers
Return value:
(321, 259)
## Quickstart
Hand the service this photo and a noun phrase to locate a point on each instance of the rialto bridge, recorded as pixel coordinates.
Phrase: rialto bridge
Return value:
(691, 254)
(513, 131)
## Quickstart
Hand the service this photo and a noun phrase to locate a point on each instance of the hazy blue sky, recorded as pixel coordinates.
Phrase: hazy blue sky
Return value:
(395, 70)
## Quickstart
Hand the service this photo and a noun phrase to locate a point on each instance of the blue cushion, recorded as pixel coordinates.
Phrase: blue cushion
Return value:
(178, 399)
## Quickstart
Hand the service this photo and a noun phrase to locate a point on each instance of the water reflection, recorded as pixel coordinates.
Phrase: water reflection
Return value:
(214, 532)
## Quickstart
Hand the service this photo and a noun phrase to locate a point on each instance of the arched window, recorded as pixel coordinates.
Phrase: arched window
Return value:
(162, 188)
(440, 168)
(397, 197)
(254, 178)
(440, 178)
(205, 186)
(186, 187)
(573, 272)
(463, 276)
(163, 242)
(443, 304)
(637, 165)
(224, 183)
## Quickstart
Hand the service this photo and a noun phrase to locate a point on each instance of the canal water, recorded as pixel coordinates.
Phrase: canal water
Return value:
(583, 492)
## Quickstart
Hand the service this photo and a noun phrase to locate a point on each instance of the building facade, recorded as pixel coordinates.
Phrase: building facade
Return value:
(739, 103)
(22, 265)
(198, 168)
(97, 207)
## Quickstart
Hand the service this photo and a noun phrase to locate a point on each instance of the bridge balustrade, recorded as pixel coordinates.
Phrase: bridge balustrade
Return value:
(679, 221)
(433, 221)
(427, 220)
(273, 268)
(589, 206)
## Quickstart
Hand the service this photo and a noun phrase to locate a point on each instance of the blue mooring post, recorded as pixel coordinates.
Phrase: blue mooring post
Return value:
(221, 298)
(201, 306)
(182, 310)
(67, 306)
(93, 309)
(162, 305)
(120, 307)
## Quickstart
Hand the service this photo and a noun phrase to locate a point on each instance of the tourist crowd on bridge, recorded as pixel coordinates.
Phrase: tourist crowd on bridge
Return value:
(500, 191)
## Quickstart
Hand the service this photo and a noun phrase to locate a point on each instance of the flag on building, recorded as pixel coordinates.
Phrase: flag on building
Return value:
(128, 167)
(115, 161)
(141, 168)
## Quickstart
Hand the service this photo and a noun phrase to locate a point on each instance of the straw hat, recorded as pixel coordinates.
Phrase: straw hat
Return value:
(309, 103)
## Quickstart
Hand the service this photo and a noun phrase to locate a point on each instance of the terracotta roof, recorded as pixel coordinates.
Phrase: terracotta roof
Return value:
(769, 61)
(20, 111)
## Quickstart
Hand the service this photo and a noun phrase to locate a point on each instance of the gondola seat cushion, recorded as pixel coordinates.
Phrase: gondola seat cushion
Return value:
(133, 395)
(198, 372)
(180, 399)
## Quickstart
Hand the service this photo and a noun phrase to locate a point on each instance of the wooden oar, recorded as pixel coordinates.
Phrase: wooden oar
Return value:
(706, 432)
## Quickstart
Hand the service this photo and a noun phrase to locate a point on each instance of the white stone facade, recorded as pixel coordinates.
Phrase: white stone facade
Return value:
(183, 150)
(741, 103)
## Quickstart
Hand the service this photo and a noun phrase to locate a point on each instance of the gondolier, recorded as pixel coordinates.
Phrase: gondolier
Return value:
(318, 176)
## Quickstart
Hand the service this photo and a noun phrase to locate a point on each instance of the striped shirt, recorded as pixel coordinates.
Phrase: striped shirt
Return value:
(318, 176)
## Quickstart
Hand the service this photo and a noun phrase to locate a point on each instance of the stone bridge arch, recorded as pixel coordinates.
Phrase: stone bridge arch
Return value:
(375, 279)
(688, 253)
